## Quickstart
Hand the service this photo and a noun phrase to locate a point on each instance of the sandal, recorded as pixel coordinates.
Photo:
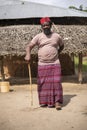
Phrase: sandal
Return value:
(43, 105)
(58, 106)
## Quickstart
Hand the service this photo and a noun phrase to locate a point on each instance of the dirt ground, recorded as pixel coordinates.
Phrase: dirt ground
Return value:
(16, 112)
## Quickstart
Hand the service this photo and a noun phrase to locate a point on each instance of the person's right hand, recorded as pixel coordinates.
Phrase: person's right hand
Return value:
(27, 58)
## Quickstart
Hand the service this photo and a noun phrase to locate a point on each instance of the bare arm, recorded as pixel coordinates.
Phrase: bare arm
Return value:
(28, 51)
(60, 48)
(61, 45)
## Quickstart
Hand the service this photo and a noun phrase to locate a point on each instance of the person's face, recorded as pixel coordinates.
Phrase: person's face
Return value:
(46, 28)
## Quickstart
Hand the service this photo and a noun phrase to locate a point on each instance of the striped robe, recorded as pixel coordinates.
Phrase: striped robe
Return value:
(49, 84)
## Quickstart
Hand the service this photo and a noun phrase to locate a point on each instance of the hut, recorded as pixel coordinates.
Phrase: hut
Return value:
(19, 23)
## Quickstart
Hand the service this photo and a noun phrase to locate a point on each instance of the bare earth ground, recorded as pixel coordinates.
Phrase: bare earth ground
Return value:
(16, 112)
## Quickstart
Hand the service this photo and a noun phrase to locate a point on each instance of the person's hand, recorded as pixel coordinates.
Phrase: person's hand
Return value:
(27, 58)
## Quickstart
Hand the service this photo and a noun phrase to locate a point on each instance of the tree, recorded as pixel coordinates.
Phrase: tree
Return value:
(72, 7)
(81, 7)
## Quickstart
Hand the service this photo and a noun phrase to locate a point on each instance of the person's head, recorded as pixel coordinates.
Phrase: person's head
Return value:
(46, 25)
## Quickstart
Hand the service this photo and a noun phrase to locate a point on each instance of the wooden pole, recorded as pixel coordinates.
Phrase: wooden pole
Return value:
(72, 58)
(30, 84)
(80, 68)
(1, 69)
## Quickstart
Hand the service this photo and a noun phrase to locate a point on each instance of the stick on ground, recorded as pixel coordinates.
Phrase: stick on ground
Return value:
(30, 79)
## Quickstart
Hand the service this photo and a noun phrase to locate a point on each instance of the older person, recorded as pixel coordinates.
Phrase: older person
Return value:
(49, 44)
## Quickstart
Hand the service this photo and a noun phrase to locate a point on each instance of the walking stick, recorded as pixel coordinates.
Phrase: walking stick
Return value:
(29, 69)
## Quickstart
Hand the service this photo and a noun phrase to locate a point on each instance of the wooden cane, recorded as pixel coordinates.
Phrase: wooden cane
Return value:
(30, 84)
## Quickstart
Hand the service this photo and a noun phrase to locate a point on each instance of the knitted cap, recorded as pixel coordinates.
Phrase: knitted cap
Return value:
(45, 19)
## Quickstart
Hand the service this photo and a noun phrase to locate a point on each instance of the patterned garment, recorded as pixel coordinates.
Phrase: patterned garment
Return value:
(49, 84)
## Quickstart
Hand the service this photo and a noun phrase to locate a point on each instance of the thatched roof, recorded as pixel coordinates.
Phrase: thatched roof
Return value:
(13, 39)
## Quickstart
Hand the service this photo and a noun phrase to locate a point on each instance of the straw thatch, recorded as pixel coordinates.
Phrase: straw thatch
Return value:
(13, 39)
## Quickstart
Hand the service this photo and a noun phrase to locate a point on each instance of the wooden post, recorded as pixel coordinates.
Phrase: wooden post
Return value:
(72, 58)
(1, 69)
(80, 68)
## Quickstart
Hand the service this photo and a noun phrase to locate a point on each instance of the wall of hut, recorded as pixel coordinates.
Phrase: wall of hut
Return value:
(16, 67)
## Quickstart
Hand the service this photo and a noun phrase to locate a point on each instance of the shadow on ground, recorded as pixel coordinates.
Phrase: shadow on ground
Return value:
(67, 99)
